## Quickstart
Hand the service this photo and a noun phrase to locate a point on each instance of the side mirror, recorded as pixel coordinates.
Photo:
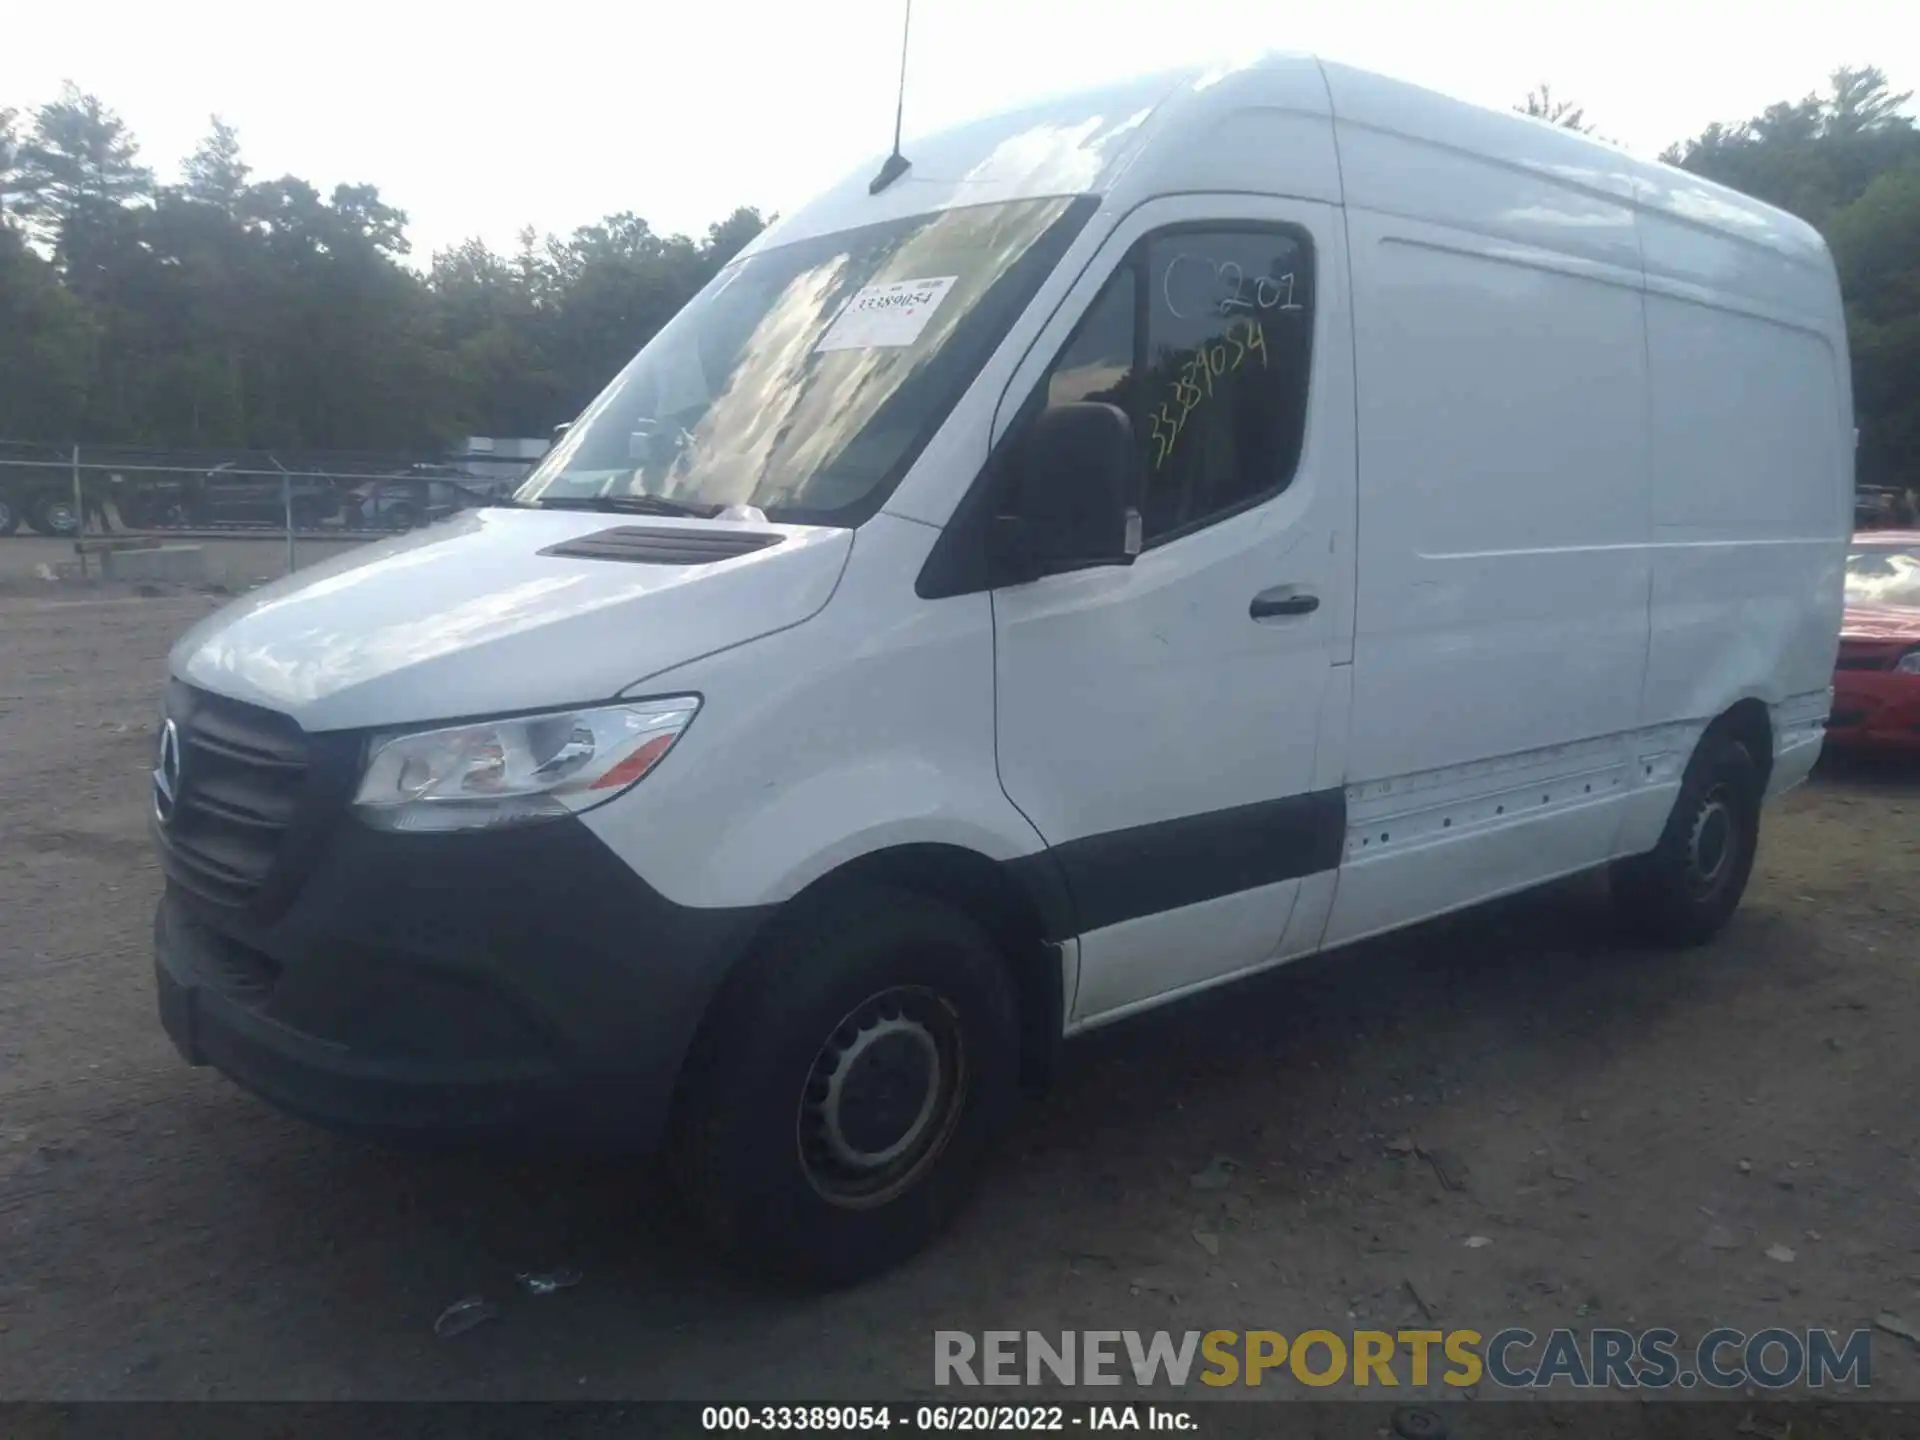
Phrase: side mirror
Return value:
(1077, 479)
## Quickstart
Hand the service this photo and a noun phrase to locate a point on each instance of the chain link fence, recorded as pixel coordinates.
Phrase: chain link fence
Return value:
(77, 490)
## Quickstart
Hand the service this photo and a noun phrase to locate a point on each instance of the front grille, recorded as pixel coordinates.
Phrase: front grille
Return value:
(243, 771)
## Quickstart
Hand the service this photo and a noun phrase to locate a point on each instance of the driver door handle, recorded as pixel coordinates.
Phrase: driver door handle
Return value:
(1282, 600)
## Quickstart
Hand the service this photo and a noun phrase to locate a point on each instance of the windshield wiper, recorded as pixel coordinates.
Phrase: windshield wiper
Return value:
(628, 505)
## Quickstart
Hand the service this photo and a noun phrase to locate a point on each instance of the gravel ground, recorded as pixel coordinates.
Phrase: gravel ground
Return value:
(1630, 1131)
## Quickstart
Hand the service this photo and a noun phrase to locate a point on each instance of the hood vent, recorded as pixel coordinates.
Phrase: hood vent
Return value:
(658, 545)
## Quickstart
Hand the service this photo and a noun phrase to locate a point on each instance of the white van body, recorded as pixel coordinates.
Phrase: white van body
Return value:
(1573, 485)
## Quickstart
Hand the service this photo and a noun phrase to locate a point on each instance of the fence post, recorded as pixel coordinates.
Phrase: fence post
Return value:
(79, 516)
(286, 505)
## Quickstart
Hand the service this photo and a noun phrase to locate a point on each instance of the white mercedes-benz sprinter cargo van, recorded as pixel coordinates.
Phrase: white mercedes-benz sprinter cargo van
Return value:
(1162, 534)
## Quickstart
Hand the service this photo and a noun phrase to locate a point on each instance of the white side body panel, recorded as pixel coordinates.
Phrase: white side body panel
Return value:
(1751, 461)
(870, 728)
(1503, 507)
(1602, 495)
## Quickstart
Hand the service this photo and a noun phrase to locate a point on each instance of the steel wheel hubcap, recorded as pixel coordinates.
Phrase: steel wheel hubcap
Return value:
(1711, 845)
(882, 1097)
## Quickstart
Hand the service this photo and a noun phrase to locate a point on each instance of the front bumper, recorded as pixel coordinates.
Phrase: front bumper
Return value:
(1877, 709)
(522, 982)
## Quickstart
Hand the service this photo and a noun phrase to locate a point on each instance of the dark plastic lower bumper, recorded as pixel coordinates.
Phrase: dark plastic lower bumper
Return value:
(519, 983)
(1875, 709)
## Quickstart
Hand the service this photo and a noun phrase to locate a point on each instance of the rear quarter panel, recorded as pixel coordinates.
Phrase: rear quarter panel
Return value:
(1751, 460)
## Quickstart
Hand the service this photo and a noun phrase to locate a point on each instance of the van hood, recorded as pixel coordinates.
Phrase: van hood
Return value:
(469, 617)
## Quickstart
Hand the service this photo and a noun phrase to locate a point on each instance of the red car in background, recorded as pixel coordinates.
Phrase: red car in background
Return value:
(1876, 684)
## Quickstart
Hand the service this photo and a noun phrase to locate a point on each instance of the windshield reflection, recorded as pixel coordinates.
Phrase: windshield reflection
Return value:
(735, 402)
(1883, 575)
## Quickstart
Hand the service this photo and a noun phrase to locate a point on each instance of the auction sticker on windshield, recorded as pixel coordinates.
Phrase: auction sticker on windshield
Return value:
(890, 315)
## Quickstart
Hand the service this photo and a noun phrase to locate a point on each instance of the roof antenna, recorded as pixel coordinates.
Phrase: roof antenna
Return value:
(895, 165)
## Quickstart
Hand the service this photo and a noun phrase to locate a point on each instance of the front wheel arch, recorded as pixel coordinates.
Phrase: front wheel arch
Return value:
(1015, 903)
(741, 1144)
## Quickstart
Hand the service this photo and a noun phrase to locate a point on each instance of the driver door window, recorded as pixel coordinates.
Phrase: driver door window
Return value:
(1204, 337)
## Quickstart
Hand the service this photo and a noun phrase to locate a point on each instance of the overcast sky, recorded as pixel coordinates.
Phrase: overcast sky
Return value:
(479, 119)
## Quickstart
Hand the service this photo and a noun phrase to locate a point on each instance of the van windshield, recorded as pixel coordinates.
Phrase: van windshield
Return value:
(804, 380)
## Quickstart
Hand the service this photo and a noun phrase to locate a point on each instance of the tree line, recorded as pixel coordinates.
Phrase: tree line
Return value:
(1847, 162)
(225, 311)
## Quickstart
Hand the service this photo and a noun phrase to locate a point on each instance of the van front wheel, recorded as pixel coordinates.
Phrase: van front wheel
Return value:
(1686, 888)
(839, 1099)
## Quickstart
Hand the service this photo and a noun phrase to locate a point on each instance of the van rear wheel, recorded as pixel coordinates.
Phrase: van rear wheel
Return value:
(839, 1098)
(1686, 888)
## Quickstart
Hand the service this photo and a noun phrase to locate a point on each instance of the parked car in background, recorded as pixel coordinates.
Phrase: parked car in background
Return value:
(228, 495)
(1880, 507)
(153, 503)
(1876, 684)
(426, 494)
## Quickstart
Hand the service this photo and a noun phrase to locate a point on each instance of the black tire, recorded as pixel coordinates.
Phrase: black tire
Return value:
(9, 516)
(883, 1020)
(400, 517)
(1686, 888)
(52, 514)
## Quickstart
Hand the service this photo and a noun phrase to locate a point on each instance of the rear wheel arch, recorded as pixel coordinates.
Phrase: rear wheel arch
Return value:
(1685, 889)
(1751, 723)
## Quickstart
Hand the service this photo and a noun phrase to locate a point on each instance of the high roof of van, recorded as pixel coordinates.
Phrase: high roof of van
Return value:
(1269, 125)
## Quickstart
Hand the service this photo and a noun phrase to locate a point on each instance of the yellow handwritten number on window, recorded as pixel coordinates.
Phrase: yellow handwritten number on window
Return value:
(1194, 382)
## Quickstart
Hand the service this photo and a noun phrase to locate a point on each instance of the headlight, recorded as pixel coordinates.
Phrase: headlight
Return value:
(1909, 663)
(514, 772)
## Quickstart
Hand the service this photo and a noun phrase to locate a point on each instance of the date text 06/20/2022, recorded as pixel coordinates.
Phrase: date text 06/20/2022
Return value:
(940, 1418)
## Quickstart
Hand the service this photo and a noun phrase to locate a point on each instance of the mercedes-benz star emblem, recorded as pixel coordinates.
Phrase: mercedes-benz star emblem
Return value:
(166, 774)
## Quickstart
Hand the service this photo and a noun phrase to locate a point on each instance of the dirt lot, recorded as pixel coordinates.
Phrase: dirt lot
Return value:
(1630, 1131)
(232, 560)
